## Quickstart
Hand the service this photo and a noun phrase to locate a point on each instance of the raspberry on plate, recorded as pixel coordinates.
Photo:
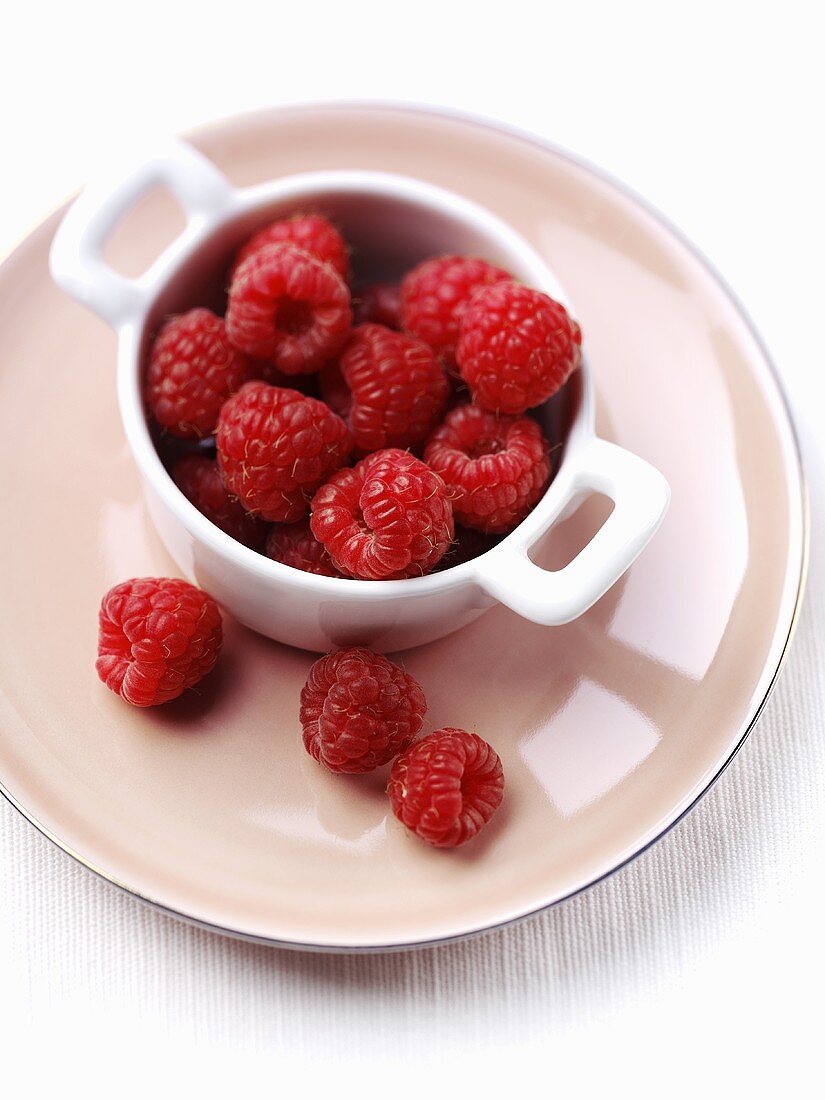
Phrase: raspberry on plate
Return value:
(158, 637)
(495, 468)
(388, 518)
(192, 370)
(359, 710)
(275, 447)
(294, 544)
(388, 387)
(289, 308)
(447, 786)
(435, 294)
(516, 347)
(199, 479)
(380, 304)
(312, 232)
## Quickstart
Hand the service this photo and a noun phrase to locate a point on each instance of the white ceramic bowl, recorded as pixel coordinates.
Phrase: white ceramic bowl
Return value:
(394, 222)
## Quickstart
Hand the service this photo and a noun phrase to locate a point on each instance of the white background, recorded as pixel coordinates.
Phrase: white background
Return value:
(699, 967)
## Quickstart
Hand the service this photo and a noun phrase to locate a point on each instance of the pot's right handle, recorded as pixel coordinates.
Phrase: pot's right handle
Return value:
(76, 257)
(640, 495)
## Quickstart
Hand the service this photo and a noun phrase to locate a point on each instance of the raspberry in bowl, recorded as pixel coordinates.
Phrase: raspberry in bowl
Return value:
(294, 309)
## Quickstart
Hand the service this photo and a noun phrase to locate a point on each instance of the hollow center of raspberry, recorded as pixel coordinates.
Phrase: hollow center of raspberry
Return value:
(480, 447)
(293, 318)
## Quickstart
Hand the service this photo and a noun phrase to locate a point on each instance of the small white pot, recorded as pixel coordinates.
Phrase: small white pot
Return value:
(395, 222)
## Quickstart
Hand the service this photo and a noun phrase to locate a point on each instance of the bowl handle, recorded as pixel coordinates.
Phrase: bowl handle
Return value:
(640, 496)
(76, 257)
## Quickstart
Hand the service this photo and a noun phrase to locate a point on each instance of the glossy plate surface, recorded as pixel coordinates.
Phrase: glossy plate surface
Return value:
(608, 728)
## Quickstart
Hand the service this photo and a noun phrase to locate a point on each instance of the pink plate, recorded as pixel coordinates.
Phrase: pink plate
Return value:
(609, 728)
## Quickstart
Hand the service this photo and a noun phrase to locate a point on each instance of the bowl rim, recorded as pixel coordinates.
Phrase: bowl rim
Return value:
(301, 187)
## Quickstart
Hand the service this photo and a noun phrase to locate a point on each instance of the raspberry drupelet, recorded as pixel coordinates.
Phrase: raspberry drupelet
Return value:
(192, 370)
(435, 294)
(288, 308)
(313, 233)
(516, 347)
(388, 518)
(275, 447)
(495, 468)
(446, 787)
(388, 387)
(199, 479)
(295, 545)
(359, 710)
(158, 637)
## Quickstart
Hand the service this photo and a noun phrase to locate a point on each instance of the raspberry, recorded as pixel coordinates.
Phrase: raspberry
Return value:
(435, 294)
(158, 637)
(388, 518)
(289, 308)
(192, 370)
(294, 544)
(447, 786)
(388, 387)
(311, 232)
(516, 347)
(199, 479)
(380, 304)
(495, 468)
(359, 710)
(275, 447)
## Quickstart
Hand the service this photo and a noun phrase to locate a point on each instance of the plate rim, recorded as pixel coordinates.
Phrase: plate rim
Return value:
(795, 583)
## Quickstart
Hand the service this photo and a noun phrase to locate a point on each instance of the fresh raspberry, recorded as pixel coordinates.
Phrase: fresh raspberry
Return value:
(158, 637)
(447, 786)
(388, 518)
(380, 304)
(495, 468)
(435, 294)
(313, 233)
(289, 308)
(199, 479)
(192, 370)
(516, 347)
(294, 544)
(359, 710)
(389, 388)
(275, 447)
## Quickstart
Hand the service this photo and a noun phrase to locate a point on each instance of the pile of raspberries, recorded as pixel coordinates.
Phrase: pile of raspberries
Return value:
(359, 711)
(377, 437)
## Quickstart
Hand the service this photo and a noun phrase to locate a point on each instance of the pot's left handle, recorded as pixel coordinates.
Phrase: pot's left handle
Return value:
(76, 258)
